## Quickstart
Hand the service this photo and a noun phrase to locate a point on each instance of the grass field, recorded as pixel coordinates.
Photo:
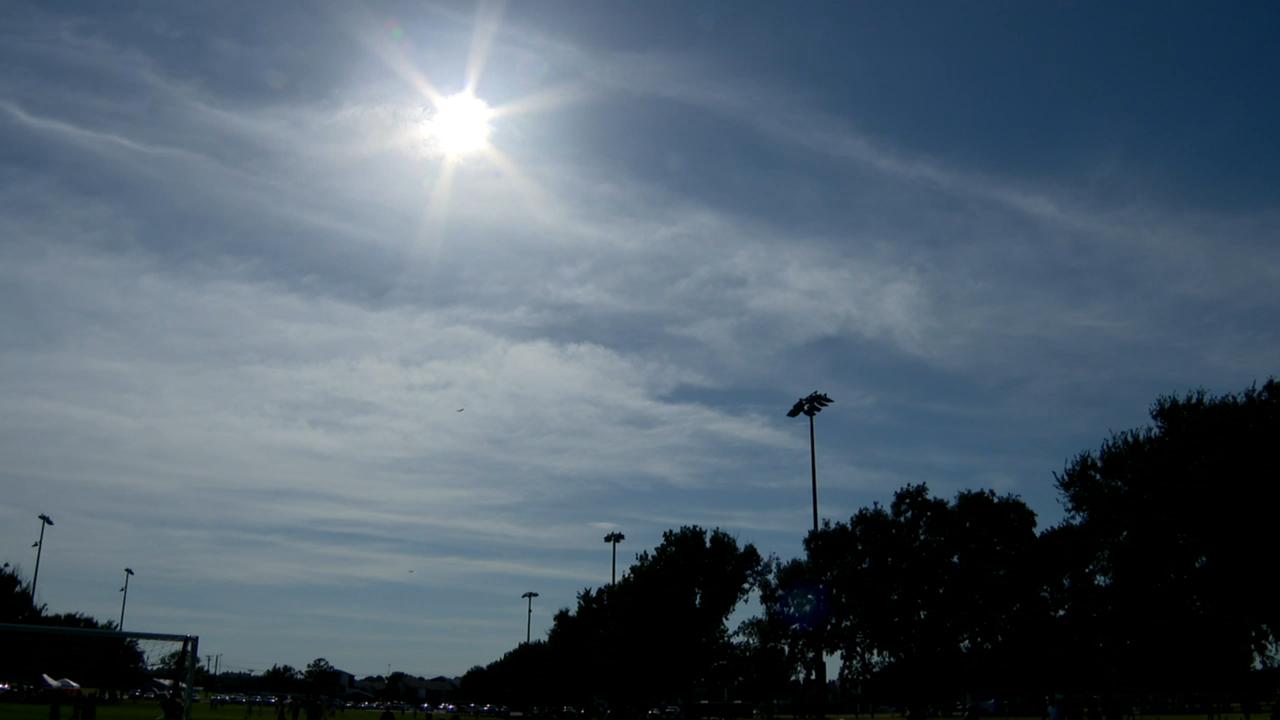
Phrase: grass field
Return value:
(150, 710)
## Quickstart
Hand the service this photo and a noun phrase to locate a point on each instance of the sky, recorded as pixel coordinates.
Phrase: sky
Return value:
(333, 390)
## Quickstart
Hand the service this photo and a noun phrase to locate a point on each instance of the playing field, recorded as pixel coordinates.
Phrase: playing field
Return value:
(150, 710)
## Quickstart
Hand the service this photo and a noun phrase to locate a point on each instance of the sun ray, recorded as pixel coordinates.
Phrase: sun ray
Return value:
(441, 191)
(538, 203)
(548, 99)
(396, 62)
(487, 20)
(431, 233)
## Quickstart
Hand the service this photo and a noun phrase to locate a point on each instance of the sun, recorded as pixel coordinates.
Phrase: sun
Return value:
(459, 125)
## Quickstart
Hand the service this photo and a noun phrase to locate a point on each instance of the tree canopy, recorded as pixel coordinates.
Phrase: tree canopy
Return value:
(1167, 571)
(664, 620)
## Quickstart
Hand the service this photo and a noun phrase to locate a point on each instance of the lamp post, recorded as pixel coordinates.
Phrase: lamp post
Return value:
(528, 625)
(35, 577)
(125, 598)
(614, 538)
(810, 406)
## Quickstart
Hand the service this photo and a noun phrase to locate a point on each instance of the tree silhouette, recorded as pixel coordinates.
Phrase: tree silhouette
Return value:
(106, 662)
(322, 677)
(1171, 522)
(668, 612)
(928, 599)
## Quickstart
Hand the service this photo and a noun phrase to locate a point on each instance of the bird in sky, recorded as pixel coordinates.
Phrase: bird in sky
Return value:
(461, 409)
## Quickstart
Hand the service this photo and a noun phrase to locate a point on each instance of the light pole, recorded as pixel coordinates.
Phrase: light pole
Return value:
(614, 538)
(810, 406)
(528, 625)
(35, 577)
(125, 598)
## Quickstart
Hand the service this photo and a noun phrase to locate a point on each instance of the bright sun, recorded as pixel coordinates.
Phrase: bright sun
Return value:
(459, 124)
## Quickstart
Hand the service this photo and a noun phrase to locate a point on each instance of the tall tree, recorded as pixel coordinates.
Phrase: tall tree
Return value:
(103, 661)
(16, 604)
(1176, 524)
(282, 679)
(929, 599)
(322, 677)
(668, 612)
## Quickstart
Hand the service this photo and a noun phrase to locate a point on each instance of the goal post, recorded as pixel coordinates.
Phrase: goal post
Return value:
(111, 665)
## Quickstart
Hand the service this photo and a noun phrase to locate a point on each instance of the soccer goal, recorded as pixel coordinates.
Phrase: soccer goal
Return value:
(49, 664)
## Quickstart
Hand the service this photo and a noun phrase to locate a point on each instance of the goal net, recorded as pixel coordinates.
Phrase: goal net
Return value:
(77, 667)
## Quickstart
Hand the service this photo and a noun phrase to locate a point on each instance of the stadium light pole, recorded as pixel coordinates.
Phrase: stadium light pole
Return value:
(528, 625)
(811, 406)
(125, 599)
(614, 538)
(35, 577)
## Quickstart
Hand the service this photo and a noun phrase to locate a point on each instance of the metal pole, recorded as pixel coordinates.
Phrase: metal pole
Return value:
(613, 577)
(193, 644)
(820, 668)
(35, 577)
(124, 599)
(813, 469)
(528, 625)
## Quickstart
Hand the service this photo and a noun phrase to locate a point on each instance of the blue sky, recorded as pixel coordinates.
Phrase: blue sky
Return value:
(243, 295)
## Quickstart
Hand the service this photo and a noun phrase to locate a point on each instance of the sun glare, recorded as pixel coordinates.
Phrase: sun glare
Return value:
(459, 125)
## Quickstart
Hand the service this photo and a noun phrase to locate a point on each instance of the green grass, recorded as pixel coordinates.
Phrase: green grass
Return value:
(150, 710)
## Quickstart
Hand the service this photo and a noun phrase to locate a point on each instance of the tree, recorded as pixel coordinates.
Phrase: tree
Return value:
(105, 662)
(668, 612)
(322, 677)
(1175, 583)
(925, 599)
(282, 679)
(777, 645)
(16, 604)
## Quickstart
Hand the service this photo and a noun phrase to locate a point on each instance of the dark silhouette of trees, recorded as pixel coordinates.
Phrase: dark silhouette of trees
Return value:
(16, 603)
(322, 677)
(1166, 574)
(283, 679)
(777, 645)
(526, 676)
(925, 599)
(106, 662)
(664, 621)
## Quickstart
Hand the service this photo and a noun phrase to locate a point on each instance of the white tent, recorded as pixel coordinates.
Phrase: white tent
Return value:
(63, 684)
